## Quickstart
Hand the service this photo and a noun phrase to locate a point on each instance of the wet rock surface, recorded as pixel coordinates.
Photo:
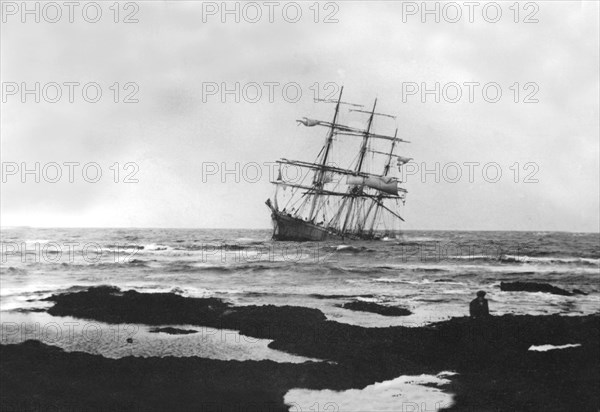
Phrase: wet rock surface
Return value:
(375, 308)
(173, 331)
(534, 287)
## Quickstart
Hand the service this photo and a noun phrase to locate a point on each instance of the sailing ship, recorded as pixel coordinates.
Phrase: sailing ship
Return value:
(329, 202)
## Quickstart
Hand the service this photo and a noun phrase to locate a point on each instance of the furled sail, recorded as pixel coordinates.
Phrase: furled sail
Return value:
(308, 122)
(402, 160)
(328, 177)
(383, 184)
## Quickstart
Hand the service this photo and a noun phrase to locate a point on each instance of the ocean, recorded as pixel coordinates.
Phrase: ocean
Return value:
(433, 273)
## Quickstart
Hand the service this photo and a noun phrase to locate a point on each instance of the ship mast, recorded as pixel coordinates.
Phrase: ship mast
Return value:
(386, 170)
(318, 183)
(359, 165)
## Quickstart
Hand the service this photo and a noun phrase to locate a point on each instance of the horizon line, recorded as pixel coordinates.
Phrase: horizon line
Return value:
(266, 228)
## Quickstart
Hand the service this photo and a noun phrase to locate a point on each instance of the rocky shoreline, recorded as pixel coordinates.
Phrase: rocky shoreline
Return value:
(496, 371)
(537, 287)
(372, 307)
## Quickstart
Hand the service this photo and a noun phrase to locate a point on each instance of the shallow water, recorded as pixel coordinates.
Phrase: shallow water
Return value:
(111, 340)
(405, 393)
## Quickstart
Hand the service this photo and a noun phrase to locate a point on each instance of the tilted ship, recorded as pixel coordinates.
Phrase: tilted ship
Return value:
(329, 202)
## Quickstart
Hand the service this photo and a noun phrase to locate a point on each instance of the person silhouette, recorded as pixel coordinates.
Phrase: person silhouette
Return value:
(478, 307)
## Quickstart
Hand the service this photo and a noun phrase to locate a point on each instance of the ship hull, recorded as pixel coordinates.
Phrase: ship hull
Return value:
(293, 229)
(290, 228)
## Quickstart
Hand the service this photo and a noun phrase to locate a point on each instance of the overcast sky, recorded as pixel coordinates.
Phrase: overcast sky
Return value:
(176, 131)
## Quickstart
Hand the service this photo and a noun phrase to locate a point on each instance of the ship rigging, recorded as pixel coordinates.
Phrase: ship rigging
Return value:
(357, 202)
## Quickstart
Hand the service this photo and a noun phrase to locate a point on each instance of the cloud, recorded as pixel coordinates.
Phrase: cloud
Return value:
(175, 128)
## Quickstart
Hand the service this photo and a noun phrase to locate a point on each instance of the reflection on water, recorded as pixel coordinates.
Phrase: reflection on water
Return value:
(120, 340)
(405, 393)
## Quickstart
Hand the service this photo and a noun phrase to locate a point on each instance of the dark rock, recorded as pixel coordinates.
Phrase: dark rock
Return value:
(578, 292)
(28, 310)
(376, 308)
(109, 304)
(35, 376)
(321, 296)
(532, 287)
(173, 331)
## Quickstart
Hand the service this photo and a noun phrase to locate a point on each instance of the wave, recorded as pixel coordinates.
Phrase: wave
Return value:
(409, 243)
(223, 246)
(529, 259)
(193, 292)
(185, 291)
(123, 246)
(429, 270)
(137, 262)
(241, 246)
(157, 247)
(250, 241)
(396, 280)
(259, 266)
(11, 270)
(550, 260)
(418, 239)
(191, 267)
(348, 249)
